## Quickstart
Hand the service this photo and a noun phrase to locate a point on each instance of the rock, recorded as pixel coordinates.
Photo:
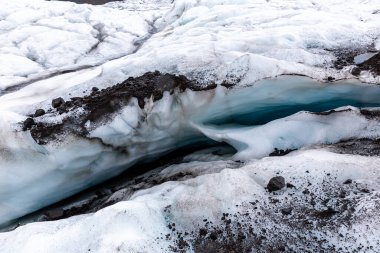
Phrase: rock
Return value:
(289, 185)
(280, 152)
(365, 190)
(348, 181)
(54, 214)
(355, 71)
(327, 213)
(276, 183)
(330, 78)
(213, 236)
(202, 232)
(28, 123)
(287, 211)
(95, 89)
(57, 102)
(39, 112)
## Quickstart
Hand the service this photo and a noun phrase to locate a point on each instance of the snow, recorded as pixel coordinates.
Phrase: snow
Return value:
(252, 40)
(71, 163)
(57, 48)
(140, 223)
(45, 37)
(300, 130)
(207, 40)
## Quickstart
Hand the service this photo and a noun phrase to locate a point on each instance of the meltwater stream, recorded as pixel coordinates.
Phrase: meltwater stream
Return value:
(248, 118)
(272, 99)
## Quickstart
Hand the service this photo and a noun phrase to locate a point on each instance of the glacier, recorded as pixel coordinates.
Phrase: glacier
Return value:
(289, 88)
(144, 222)
(204, 40)
(71, 162)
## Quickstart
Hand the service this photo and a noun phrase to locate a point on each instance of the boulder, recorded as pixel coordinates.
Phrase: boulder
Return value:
(276, 183)
(57, 102)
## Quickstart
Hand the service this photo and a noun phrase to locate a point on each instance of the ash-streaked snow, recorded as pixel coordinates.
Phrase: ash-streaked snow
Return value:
(144, 223)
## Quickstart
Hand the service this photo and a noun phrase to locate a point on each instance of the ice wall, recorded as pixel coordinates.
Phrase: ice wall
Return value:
(33, 176)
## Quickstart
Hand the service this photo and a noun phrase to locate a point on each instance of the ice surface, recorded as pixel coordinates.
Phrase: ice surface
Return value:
(44, 37)
(294, 132)
(208, 40)
(141, 223)
(363, 57)
(71, 163)
(63, 49)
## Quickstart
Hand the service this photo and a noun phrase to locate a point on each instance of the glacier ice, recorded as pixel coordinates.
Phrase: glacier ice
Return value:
(65, 49)
(49, 38)
(33, 176)
(205, 40)
(141, 223)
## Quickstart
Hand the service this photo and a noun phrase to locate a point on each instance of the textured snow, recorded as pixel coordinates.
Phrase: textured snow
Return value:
(208, 40)
(39, 38)
(252, 40)
(217, 40)
(138, 225)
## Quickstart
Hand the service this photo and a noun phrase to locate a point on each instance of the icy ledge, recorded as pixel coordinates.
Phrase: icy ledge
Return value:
(74, 154)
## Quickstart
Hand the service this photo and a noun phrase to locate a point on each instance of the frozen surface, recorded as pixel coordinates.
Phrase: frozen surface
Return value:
(71, 163)
(141, 223)
(41, 38)
(300, 130)
(363, 57)
(50, 49)
(208, 40)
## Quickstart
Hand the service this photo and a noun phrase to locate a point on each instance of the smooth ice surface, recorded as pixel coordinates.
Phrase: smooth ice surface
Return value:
(363, 57)
(33, 176)
(137, 225)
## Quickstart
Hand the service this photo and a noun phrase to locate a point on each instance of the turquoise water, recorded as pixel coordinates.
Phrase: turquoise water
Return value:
(268, 100)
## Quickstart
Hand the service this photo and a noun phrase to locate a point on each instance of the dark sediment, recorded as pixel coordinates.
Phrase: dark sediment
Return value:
(372, 64)
(28, 124)
(151, 84)
(363, 147)
(371, 114)
(281, 152)
(94, 2)
(39, 112)
(295, 223)
(101, 105)
(345, 57)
